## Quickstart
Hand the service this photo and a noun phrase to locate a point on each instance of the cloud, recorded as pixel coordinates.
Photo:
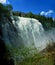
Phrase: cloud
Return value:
(4, 2)
(42, 13)
(46, 13)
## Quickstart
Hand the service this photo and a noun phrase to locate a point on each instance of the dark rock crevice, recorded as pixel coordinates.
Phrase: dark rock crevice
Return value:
(4, 60)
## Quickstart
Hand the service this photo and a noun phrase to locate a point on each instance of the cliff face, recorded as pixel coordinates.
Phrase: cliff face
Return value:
(9, 32)
(8, 35)
(5, 57)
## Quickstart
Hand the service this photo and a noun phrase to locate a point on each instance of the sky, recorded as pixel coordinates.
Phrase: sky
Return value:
(43, 7)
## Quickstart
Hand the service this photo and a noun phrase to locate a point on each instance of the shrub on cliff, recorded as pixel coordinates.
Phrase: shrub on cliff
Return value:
(5, 10)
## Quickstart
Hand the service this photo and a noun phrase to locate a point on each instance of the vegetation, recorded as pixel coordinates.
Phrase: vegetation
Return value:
(47, 22)
(50, 51)
(5, 11)
(50, 47)
(26, 56)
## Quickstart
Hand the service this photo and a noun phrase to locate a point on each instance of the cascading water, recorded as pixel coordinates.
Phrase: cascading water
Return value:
(23, 31)
(31, 30)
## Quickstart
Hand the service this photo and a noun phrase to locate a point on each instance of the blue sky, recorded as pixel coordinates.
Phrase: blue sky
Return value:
(44, 7)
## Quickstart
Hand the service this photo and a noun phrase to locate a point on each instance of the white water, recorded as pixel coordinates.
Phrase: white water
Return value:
(31, 31)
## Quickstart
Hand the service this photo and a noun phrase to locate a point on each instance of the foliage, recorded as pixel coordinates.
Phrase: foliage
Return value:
(40, 59)
(5, 10)
(25, 56)
(47, 22)
(9, 7)
(30, 15)
(50, 47)
(19, 14)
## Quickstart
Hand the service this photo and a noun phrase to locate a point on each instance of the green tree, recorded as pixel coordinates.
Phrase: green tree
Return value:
(9, 7)
(30, 14)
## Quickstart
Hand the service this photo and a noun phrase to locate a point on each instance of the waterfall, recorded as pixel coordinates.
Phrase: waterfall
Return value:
(31, 30)
(23, 31)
